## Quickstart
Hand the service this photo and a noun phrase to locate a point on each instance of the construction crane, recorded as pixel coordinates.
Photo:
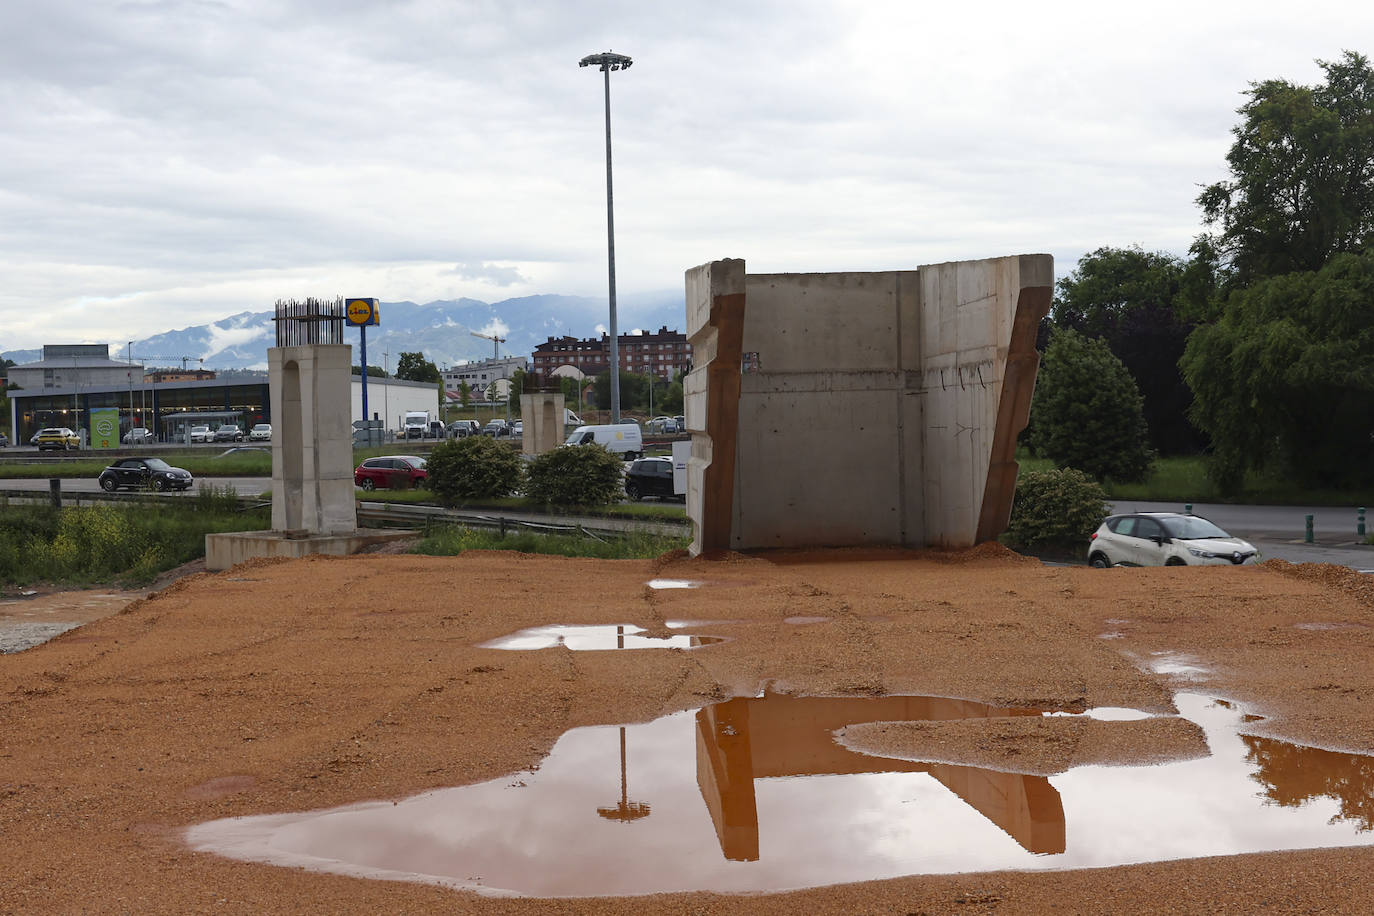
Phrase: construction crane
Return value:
(496, 343)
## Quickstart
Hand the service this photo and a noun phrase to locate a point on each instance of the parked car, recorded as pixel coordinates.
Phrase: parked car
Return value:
(459, 429)
(662, 425)
(55, 437)
(496, 429)
(139, 435)
(201, 434)
(650, 477)
(517, 429)
(1166, 539)
(391, 472)
(144, 472)
(4, 440)
(228, 432)
(262, 432)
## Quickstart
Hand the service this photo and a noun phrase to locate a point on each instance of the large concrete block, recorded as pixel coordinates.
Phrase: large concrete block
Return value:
(312, 442)
(860, 408)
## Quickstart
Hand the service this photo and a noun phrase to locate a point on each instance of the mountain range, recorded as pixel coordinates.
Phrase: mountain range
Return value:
(442, 330)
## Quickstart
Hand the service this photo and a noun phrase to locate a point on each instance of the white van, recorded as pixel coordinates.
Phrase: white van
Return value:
(624, 439)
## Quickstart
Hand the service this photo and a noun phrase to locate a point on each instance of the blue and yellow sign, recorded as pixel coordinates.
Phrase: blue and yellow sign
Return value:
(363, 312)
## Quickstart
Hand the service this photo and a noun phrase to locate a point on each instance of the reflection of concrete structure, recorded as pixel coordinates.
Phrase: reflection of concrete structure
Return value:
(313, 507)
(904, 390)
(754, 738)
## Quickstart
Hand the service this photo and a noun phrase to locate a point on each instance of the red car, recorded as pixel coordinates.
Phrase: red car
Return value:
(396, 472)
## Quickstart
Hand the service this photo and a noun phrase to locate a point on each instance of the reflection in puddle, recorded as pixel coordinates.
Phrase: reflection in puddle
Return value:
(672, 583)
(754, 794)
(1174, 663)
(597, 637)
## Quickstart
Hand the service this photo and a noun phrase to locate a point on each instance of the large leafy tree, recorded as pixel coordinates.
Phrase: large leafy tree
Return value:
(413, 367)
(1285, 379)
(1127, 297)
(1302, 175)
(1086, 412)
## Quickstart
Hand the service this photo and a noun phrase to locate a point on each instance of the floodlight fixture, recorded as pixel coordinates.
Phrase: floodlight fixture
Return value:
(608, 61)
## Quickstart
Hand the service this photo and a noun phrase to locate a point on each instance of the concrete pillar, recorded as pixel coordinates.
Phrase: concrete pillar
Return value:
(312, 443)
(542, 413)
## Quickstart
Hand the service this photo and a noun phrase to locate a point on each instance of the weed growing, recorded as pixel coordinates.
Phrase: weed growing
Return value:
(128, 545)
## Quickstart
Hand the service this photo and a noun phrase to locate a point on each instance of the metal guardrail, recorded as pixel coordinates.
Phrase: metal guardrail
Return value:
(76, 498)
(413, 516)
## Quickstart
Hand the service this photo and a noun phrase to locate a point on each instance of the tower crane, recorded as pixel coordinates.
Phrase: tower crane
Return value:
(496, 343)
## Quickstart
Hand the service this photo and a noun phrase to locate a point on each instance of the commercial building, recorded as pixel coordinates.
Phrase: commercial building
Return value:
(72, 380)
(663, 353)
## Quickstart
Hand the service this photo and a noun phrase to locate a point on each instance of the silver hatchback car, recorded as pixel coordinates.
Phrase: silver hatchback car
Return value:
(1166, 539)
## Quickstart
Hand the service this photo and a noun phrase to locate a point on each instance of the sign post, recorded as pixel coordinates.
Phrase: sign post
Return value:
(361, 313)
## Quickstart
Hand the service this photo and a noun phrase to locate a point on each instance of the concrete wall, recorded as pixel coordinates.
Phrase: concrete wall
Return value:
(312, 442)
(872, 408)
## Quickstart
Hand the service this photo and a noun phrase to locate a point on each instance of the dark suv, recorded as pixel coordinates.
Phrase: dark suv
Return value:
(651, 477)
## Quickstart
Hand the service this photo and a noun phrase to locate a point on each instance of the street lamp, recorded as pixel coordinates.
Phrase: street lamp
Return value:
(609, 61)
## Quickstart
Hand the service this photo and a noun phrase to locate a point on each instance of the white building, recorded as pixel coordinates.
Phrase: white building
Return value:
(389, 399)
(479, 375)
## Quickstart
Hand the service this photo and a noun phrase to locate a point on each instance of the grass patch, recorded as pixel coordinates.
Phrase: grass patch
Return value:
(1184, 480)
(123, 544)
(452, 540)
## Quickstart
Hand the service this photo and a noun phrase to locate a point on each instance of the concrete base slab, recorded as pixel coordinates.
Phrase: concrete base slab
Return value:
(225, 550)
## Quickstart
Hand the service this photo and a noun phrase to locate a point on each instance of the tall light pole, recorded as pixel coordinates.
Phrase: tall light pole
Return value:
(609, 61)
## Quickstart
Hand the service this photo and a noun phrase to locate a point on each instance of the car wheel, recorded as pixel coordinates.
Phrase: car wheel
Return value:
(108, 484)
(632, 491)
(1174, 561)
(1099, 561)
(368, 485)
(159, 484)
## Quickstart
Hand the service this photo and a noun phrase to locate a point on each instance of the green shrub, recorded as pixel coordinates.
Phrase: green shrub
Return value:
(475, 467)
(1056, 508)
(576, 475)
(448, 541)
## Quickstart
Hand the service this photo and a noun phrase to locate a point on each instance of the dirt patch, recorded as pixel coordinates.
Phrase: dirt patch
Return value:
(294, 685)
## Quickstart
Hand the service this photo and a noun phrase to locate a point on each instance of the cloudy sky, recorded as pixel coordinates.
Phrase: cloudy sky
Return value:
(165, 163)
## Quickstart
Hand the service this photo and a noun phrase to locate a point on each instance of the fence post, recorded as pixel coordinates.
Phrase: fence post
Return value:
(55, 489)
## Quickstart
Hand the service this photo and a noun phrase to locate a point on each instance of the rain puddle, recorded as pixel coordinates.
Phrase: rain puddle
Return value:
(598, 637)
(755, 794)
(672, 583)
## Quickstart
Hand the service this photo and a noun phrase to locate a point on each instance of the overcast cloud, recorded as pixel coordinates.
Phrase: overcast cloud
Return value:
(164, 163)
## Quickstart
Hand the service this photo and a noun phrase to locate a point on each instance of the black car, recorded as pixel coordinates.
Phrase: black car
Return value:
(650, 477)
(144, 472)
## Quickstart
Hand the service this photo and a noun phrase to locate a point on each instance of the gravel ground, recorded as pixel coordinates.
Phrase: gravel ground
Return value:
(294, 685)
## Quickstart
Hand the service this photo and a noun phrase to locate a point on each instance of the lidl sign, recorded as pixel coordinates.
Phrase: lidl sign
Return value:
(362, 312)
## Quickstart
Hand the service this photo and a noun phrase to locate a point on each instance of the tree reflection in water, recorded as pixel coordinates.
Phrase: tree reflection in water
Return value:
(1293, 775)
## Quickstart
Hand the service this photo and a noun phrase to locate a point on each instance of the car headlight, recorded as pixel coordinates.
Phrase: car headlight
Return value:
(1198, 552)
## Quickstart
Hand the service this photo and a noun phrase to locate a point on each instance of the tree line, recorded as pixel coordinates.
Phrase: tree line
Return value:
(1256, 349)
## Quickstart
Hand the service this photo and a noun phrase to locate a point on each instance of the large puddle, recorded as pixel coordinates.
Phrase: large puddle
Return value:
(755, 794)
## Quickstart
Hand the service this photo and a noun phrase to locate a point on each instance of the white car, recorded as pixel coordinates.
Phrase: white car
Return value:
(1166, 539)
(262, 432)
(201, 434)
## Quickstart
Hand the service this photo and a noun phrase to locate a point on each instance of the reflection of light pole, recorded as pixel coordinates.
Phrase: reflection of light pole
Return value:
(625, 811)
(609, 61)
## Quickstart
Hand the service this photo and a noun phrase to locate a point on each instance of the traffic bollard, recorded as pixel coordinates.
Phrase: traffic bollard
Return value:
(1359, 526)
(55, 489)
(1308, 537)
(1187, 508)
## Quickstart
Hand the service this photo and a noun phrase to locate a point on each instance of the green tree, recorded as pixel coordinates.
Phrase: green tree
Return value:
(1058, 508)
(1285, 379)
(465, 394)
(517, 387)
(474, 467)
(413, 367)
(1302, 175)
(1127, 297)
(1086, 412)
(372, 372)
(634, 390)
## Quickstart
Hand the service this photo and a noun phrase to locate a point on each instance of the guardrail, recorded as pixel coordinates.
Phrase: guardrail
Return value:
(408, 515)
(62, 498)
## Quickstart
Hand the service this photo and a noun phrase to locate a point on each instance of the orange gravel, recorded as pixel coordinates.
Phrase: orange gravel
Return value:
(294, 685)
